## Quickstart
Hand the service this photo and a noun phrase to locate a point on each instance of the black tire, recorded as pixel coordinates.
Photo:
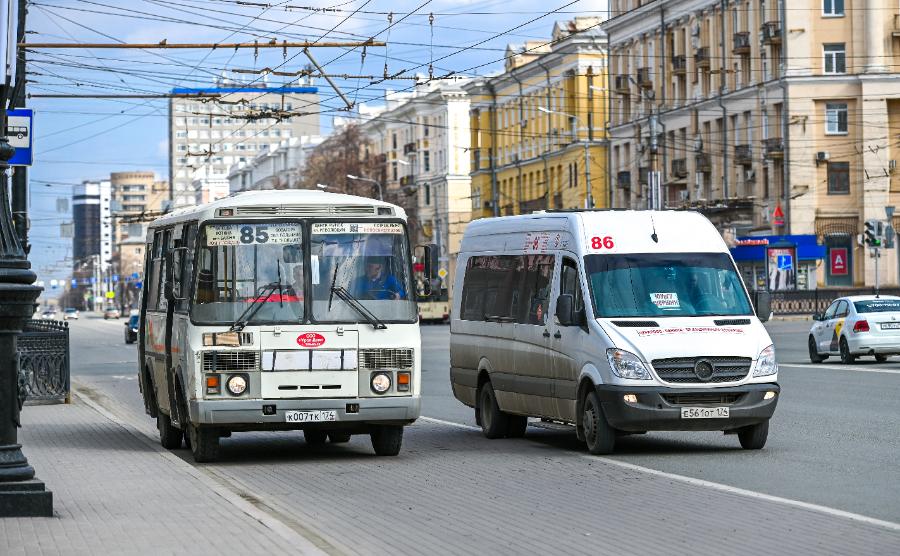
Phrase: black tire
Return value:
(814, 351)
(598, 435)
(754, 437)
(315, 438)
(847, 358)
(387, 439)
(170, 436)
(338, 437)
(494, 423)
(204, 443)
(881, 358)
(516, 426)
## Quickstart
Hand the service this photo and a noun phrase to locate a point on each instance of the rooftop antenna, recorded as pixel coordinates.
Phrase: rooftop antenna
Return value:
(653, 236)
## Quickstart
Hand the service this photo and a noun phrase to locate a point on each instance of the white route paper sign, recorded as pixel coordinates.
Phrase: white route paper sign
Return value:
(357, 228)
(665, 300)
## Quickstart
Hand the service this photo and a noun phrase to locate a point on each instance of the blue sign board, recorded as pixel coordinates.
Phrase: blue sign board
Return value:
(20, 134)
(74, 282)
(785, 262)
(115, 277)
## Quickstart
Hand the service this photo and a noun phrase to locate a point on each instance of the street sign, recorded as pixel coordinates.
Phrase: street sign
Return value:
(778, 216)
(785, 262)
(110, 295)
(19, 133)
(837, 256)
(115, 277)
(442, 273)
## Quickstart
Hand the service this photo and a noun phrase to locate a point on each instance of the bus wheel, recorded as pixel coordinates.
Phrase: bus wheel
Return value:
(386, 440)
(169, 435)
(204, 443)
(516, 425)
(314, 438)
(599, 436)
(493, 421)
(339, 437)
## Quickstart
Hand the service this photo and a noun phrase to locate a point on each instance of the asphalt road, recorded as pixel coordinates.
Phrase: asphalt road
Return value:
(834, 439)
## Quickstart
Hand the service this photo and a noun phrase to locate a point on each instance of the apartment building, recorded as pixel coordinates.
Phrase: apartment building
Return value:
(778, 120)
(211, 129)
(92, 219)
(418, 143)
(279, 167)
(538, 128)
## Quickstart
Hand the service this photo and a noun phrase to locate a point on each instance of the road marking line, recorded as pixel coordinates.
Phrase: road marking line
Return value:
(716, 486)
(840, 368)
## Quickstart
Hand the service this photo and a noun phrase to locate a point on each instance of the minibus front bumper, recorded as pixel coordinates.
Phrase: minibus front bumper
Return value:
(659, 408)
(269, 414)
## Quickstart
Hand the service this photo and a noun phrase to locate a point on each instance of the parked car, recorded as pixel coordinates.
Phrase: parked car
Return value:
(70, 313)
(855, 326)
(111, 313)
(131, 327)
(48, 314)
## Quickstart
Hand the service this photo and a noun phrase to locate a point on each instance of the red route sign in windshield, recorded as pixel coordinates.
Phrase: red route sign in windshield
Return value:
(311, 340)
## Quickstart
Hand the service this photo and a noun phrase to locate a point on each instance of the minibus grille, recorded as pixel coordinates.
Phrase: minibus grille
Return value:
(731, 322)
(636, 323)
(385, 358)
(701, 398)
(681, 370)
(230, 361)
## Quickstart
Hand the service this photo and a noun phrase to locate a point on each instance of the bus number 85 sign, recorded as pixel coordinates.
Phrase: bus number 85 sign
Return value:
(253, 234)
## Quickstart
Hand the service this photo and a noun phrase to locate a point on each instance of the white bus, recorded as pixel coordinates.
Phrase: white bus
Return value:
(280, 310)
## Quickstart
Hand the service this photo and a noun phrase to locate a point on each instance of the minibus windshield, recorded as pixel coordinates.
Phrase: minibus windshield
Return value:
(665, 285)
(253, 269)
(358, 268)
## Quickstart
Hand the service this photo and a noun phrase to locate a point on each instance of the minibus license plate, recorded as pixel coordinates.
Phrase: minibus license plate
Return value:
(310, 416)
(704, 413)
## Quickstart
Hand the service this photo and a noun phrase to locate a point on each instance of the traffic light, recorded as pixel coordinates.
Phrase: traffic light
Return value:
(872, 237)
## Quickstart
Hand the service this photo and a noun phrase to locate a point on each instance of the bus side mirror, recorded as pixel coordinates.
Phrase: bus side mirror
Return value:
(565, 309)
(426, 262)
(763, 305)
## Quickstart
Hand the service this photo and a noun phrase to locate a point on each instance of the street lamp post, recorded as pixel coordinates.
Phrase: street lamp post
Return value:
(20, 493)
(589, 197)
(369, 180)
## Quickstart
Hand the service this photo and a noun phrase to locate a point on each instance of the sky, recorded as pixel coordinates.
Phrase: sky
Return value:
(78, 139)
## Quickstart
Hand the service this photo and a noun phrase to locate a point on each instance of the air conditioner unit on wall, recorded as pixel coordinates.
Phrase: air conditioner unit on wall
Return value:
(822, 156)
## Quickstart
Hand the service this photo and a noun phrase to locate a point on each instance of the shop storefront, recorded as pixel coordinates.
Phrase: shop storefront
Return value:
(777, 263)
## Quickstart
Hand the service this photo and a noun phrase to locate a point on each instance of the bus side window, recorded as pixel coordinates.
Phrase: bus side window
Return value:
(188, 241)
(154, 275)
(165, 246)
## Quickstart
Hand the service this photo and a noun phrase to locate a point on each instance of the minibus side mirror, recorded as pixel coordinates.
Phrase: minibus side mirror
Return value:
(565, 309)
(763, 305)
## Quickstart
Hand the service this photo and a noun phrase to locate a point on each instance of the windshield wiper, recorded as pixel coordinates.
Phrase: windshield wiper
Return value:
(342, 292)
(254, 306)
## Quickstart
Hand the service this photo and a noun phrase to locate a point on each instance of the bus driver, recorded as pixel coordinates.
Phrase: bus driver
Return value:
(377, 283)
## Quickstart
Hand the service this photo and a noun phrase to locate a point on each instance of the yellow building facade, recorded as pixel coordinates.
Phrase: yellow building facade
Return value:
(534, 125)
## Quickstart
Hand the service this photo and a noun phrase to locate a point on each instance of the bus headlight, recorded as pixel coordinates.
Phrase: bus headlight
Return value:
(381, 383)
(237, 384)
(765, 363)
(625, 364)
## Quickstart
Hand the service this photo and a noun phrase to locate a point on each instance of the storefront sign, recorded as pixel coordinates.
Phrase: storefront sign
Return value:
(838, 258)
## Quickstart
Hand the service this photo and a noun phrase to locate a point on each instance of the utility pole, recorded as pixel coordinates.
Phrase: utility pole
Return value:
(20, 494)
(20, 174)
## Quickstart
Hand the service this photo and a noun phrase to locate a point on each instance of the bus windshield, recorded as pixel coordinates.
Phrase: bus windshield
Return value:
(665, 285)
(367, 261)
(243, 264)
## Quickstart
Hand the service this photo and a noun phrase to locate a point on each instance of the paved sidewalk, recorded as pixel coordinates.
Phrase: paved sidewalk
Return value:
(114, 492)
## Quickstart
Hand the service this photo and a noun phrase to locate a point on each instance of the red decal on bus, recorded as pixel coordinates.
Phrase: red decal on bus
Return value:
(311, 340)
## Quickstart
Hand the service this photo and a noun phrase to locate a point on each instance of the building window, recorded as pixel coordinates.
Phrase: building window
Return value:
(833, 7)
(835, 58)
(835, 119)
(394, 141)
(426, 161)
(427, 194)
(838, 178)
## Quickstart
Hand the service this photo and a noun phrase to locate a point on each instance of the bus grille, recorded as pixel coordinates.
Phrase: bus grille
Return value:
(306, 210)
(385, 358)
(681, 369)
(230, 361)
(700, 398)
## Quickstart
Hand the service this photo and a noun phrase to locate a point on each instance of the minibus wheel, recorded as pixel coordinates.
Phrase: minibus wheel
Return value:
(494, 423)
(338, 437)
(754, 437)
(314, 438)
(169, 435)
(598, 435)
(516, 426)
(387, 439)
(204, 443)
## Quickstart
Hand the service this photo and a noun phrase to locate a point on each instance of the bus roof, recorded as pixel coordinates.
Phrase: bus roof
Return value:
(283, 203)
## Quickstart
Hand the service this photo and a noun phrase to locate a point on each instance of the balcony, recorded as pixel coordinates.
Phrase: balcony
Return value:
(409, 148)
(743, 155)
(623, 180)
(701, 57)
(679, 168)
(644, 175)
(679, 64)
(741, 43)
(622, 85)
(771, 32)
(774, 147)
(643, 78)
(703, 162)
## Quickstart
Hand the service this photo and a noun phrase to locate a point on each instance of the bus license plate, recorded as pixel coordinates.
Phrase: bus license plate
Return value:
(310, 416)
(704, 413)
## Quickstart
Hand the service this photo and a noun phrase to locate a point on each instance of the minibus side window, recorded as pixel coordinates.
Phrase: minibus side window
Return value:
(536, 281)
(491, 290)
(569, 283)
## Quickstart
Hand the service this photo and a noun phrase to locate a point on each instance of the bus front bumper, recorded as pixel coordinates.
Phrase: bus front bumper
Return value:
(351, 413)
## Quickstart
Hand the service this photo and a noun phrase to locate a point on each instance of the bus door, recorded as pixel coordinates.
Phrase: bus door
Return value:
(177, 319)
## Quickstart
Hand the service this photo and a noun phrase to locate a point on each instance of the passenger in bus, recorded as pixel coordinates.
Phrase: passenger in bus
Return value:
(378, 283)
(295, 291)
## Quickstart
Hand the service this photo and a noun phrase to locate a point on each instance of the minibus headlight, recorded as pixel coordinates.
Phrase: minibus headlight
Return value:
(765, 363)
(625, 364)
(381, 383)
(237, 384)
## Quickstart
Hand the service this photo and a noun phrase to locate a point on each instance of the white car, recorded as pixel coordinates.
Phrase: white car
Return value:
(857, 325)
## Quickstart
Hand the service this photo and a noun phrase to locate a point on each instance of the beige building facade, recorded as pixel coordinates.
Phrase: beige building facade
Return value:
(752, 109)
